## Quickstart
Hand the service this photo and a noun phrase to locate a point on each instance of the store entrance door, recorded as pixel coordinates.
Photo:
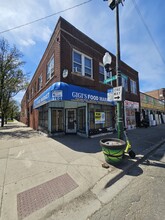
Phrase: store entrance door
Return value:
(71, 126)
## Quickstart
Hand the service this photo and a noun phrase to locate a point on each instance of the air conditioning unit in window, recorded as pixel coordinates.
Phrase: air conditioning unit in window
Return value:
(75, 70)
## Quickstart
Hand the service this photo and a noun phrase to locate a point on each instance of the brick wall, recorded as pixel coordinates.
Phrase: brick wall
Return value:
(64, 39)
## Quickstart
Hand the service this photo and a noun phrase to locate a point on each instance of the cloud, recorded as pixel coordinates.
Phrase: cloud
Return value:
(96, 20)
(27, 42)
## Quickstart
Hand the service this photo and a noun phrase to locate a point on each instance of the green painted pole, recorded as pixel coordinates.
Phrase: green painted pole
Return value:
(120, 128)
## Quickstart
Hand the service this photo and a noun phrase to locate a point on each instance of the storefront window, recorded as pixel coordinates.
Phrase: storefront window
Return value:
(81, 120)
(100, 116)
(43, 117)
(57, 120)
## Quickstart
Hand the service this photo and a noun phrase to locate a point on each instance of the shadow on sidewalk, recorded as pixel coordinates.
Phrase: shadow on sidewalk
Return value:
(16, 130)
(81, 144)
(132, 168)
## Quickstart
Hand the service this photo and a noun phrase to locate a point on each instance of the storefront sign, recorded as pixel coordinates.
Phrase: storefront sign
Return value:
(99, 117)
(57, 95)
(64, 91)
(88, 97)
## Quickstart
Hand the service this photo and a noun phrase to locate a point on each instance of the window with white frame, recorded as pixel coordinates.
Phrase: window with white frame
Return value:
(124, 79)
(50, 69)
(39, 82)
(77, 62)
(133, 86)
(103, 75)
(82, 64)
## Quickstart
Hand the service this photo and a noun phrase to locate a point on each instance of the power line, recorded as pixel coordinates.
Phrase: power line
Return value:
(148, 30)
(43, 18)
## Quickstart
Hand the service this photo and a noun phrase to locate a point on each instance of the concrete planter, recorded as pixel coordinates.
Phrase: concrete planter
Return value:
(113, 149)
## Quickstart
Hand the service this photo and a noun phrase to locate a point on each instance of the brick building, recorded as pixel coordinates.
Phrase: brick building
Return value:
(153, 106)
(67, 92)
(158, 94)
(152, 109)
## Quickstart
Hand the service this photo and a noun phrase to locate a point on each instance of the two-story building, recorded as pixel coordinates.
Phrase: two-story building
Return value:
(153, 106)
(67, 92)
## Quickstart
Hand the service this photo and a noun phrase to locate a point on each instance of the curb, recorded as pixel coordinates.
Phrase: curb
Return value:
(136, 162)
(89, 201)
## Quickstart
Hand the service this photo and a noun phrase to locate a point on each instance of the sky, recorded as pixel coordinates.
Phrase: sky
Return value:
(142, 32)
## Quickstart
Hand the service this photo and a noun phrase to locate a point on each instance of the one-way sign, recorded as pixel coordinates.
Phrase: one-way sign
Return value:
(117, 93)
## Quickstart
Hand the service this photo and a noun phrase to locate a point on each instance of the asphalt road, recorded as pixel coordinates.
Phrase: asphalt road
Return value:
(143, 198)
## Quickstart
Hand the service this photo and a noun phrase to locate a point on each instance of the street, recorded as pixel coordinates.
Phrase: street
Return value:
(63, 178)
(143, 197)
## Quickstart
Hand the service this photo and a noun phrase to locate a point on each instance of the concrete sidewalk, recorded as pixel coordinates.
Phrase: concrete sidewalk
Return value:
(40, 175)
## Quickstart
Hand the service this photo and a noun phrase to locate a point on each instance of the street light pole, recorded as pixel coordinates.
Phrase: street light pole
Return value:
(118, 81)
(114, 4)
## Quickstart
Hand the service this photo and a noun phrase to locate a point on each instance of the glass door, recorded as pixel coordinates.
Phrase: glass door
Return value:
(71, 125)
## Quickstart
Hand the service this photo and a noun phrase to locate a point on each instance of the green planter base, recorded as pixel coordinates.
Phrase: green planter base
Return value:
(113, 149)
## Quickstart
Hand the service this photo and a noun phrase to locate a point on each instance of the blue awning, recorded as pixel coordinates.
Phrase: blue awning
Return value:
(62, 91)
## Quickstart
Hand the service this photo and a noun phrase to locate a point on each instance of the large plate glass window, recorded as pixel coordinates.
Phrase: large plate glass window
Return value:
(82, 120)
(57, 120)
(43, 118)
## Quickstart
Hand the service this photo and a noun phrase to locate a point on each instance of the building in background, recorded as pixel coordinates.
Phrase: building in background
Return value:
(67, 93)
(152, 109)
(158, 94)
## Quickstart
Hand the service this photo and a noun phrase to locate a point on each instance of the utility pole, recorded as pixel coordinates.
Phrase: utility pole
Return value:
(114, 4)
(119, 80)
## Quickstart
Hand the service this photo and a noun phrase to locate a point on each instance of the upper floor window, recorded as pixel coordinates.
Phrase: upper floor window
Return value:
(77, 62)
(35, 87)
(88, 66)
(32, 91)
(103, 75)
(82, 64)
(133, 86)
(39, 82)
(124, 81)
(50, 69)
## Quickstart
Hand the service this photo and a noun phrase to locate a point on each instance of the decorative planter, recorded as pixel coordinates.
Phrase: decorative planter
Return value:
(113, 149)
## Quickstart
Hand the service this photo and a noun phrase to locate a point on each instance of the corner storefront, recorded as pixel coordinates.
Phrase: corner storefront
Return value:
(66, 108)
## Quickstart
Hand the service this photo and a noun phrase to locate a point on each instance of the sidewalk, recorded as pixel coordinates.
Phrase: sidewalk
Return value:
(40, 175)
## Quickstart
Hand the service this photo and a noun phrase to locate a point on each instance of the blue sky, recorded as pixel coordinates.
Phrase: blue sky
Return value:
(142, 32)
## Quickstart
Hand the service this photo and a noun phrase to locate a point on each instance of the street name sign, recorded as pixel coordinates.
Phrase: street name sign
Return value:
(110, 79)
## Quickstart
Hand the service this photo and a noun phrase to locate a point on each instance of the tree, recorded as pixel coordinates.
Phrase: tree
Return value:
(12, 77)
(13, 111)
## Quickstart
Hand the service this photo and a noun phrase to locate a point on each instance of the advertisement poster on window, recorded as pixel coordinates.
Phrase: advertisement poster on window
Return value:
(130, 108)
(99, 117)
